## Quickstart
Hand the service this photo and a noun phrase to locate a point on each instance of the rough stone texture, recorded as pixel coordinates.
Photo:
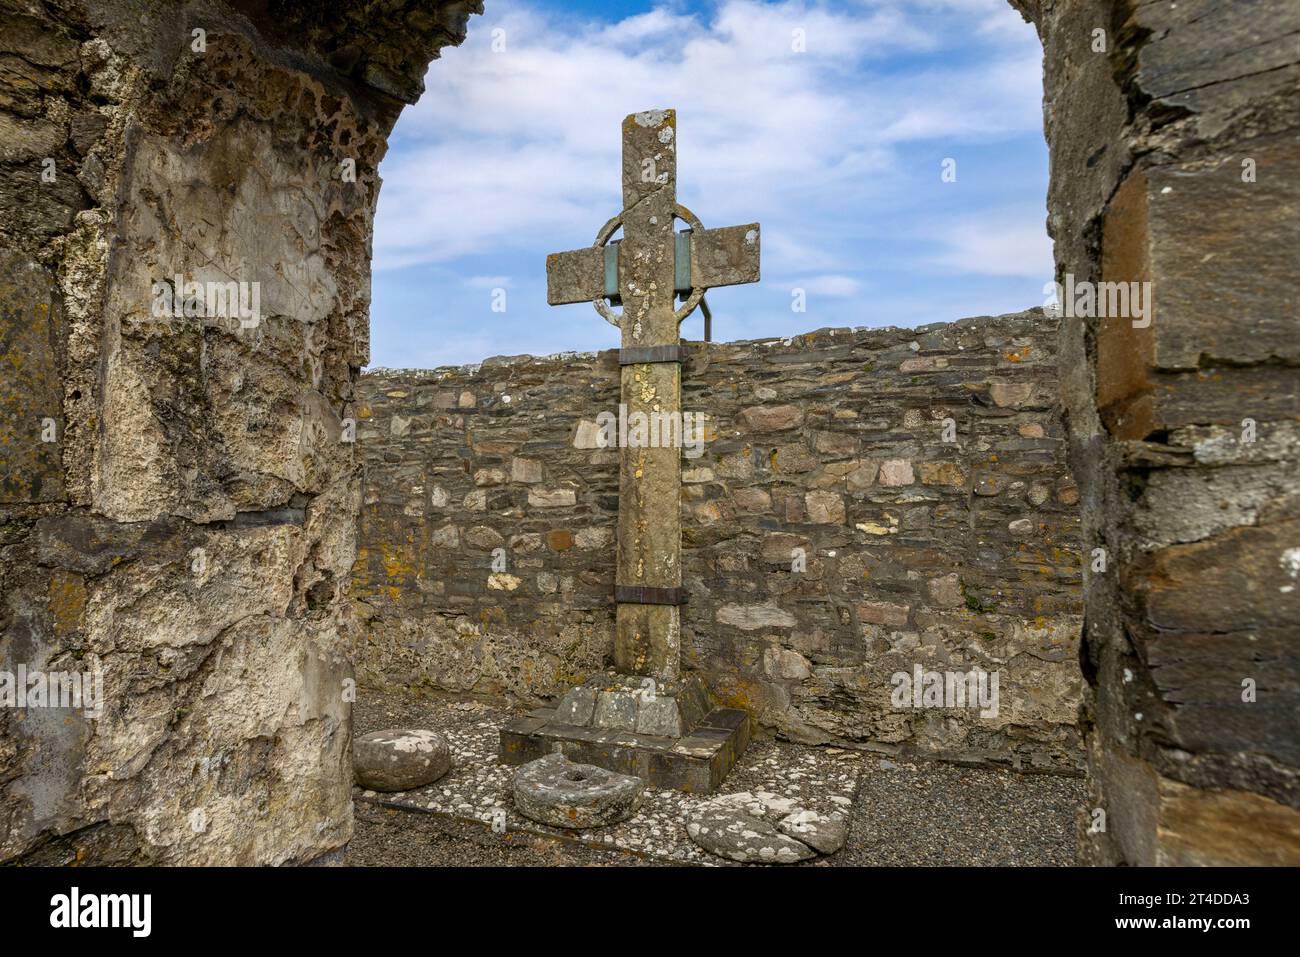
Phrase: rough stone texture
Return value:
(1151, 142)
(633, 703)
(191, 529)
(556, 791)
(647, 638)
(825, 833)
(738, 836)
(919, 568)
(399, 759)
(31, 404)
(668, 734)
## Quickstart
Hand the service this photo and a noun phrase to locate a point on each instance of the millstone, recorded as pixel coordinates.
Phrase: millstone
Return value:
(399, 759)
(554, 790)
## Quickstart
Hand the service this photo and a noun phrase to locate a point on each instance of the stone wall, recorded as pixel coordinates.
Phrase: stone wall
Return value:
(832, 537)
(1175, 154)
(177, 511)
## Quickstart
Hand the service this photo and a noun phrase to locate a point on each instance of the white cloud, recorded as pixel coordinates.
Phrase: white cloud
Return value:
(518, 151)
(832, 286)
(1004, 247)
(489, 282)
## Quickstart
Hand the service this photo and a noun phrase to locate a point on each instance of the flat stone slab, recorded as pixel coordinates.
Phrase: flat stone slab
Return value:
(399, 759)
(822, 832)
(741, 837)
(554, 790)
(740, 825)
(765, 804)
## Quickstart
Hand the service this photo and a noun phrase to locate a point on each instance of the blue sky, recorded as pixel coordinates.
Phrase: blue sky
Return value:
(837, 150)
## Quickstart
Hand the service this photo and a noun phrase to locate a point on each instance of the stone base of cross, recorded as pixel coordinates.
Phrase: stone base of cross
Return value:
(646, 717)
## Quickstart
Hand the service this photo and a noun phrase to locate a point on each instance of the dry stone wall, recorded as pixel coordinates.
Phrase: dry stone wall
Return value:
(867, 502)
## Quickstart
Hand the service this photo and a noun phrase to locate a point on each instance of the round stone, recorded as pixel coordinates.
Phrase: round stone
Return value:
(399, 759)
(554, 790)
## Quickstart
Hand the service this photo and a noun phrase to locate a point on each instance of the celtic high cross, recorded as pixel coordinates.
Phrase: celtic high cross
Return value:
(646, 271)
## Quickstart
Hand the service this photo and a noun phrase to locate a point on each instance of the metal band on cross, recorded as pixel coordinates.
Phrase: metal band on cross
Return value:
(645, 272)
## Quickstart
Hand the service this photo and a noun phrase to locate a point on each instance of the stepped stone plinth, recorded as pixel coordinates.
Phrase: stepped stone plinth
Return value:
(669, 734)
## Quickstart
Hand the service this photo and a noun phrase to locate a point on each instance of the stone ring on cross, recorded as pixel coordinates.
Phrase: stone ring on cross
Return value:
(683, 282)
(651, 265)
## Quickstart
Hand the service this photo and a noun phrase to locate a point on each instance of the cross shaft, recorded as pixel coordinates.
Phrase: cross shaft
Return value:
(649, 276)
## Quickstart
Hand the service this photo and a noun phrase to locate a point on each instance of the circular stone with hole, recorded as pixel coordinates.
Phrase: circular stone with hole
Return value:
(554, 790)
(399, 759)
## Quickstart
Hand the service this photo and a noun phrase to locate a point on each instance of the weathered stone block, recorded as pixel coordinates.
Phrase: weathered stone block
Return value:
(659, 716)
(883, 613)
(786, 664)
(551, 498)
(553, 790)
(754, 617)
(824, 508)
(770, 418)
(752, 499)
(616, 710)
(896, 472)
(697, 763)
(526, 471)
(578, 707)
(740, 837)
(946, 590)
(1010, 394)
(941, 473)
(399, 759)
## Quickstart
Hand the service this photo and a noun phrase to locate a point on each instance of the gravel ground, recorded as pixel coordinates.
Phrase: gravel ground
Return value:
(386, 837)
(903, 813)
(927, 813)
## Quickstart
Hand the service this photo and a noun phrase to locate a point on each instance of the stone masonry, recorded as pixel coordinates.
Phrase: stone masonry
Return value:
(1175, 152)
(831, 537)
(177, 511)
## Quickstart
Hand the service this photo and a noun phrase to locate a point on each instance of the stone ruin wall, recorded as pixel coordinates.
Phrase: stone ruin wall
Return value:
(190, 529)
(951, 555)
(1149, 143)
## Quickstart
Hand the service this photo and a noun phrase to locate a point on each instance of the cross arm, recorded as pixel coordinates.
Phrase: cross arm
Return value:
(575, 276)
(728, 256)
(723, 257)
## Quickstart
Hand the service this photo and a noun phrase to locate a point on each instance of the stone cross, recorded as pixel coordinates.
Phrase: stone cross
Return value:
(646, 271)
